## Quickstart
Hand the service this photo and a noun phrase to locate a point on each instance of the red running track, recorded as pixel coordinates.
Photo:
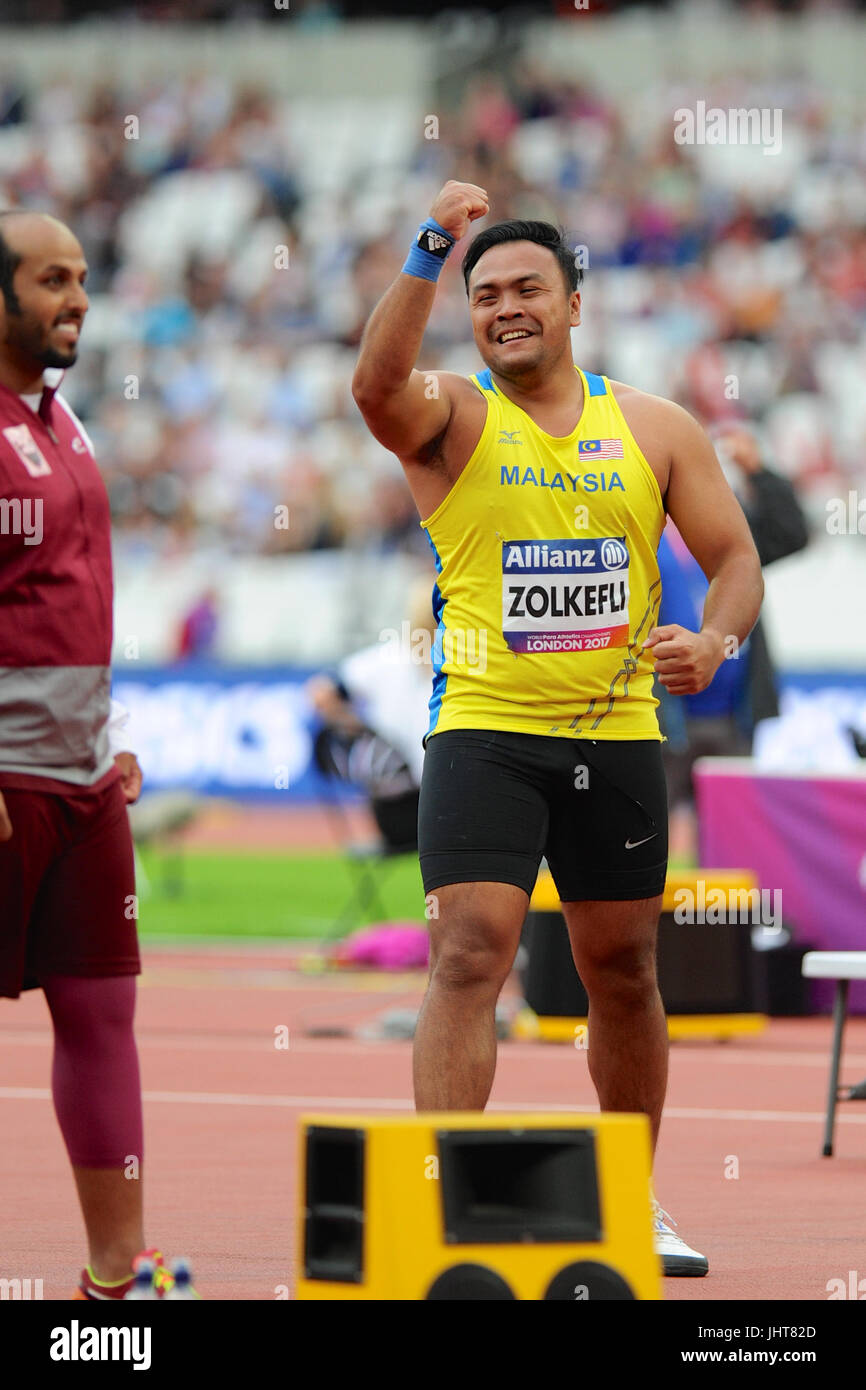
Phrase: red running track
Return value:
(221, 1105)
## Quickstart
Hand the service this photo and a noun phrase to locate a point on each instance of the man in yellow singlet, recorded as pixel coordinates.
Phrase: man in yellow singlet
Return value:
(543, 491)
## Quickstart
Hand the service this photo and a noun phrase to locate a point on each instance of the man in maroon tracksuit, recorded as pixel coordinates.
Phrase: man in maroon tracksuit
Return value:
(67, 904)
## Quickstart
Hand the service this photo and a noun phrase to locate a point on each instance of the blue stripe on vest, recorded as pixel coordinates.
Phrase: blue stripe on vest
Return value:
(596, 384)
(440, 677)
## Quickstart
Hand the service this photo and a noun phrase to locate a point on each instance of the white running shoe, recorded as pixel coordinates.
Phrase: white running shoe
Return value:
(677, 1257)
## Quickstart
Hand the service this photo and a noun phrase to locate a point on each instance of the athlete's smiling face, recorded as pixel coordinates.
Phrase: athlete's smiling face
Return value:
(522, 310)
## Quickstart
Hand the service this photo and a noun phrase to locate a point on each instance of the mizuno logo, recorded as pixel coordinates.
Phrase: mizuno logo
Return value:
(633, 844)
(507, 437)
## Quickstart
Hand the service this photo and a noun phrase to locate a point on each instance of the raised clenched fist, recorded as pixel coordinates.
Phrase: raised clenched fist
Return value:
(458, 204)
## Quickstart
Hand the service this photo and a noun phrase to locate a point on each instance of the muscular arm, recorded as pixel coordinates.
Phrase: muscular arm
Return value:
(713, 526)
(406, 410)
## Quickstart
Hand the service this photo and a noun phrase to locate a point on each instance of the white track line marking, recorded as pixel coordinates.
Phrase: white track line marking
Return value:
(244, 1042)
(179, 1043)
(361, 1103)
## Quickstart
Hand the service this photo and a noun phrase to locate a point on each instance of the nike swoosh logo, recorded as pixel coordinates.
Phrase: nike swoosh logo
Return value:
(629, 844)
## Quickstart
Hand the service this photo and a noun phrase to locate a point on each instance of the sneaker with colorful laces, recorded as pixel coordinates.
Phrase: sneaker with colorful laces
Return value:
(677, 1258)
(107, 1290)
(163, 1279)
(183, 1288)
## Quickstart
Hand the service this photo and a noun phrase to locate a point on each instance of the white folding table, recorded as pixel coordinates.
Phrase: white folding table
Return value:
(843, 967)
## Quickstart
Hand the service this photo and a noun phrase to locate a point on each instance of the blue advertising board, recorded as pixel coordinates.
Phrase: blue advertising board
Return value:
(248, 731)
(220, 730)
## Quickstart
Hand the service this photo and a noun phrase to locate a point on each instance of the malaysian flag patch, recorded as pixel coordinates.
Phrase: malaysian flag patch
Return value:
(601, 448)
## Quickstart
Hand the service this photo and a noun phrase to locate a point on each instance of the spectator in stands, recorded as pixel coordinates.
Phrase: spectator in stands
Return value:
(691, 277)
(198, 630)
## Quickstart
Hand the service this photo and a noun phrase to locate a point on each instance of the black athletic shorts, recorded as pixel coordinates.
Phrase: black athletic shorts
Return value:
(493, 803)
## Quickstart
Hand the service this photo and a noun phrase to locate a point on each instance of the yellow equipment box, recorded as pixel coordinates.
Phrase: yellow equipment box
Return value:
(468, 1205)
(705, 971)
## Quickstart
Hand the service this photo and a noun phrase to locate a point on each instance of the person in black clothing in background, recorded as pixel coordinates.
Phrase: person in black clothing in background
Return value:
(721, 720)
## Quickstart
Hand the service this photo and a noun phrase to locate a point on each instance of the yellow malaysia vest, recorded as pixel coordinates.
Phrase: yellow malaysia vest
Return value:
(548, 582)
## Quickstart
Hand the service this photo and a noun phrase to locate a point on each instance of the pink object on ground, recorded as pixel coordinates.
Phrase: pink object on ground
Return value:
(395, 946)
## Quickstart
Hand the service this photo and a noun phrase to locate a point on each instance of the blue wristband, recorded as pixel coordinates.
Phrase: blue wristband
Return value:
(430, 251)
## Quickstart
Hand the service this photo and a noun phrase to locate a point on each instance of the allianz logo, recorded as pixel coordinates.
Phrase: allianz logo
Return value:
(508, 437)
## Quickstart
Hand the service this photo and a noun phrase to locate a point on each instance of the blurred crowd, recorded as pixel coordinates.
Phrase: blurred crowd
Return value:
(229, 294)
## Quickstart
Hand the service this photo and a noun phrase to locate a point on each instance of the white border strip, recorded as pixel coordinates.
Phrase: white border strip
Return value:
(362, 1103)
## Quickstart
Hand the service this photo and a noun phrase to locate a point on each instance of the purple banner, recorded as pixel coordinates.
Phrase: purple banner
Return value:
(802, 834)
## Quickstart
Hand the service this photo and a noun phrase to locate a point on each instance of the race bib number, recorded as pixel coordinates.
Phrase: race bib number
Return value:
(565, 596)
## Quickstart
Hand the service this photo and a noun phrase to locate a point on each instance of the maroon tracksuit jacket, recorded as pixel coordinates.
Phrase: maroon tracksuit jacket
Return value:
(55, 600)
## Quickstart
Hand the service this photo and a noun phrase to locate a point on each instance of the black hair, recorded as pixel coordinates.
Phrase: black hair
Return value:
(9, 263)
(542, 233)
